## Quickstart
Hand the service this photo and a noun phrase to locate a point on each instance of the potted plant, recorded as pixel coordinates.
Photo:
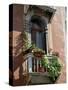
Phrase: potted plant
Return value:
(53, 67)
(38, 52)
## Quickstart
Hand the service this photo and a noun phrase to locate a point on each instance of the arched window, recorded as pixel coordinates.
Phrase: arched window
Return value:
(38, 37)
(38, 32)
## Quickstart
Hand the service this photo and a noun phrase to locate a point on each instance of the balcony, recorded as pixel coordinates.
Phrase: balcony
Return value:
(43, 77)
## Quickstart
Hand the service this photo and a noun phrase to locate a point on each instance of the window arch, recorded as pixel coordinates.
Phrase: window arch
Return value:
(38, 22)
(38, 28)
(38, 31)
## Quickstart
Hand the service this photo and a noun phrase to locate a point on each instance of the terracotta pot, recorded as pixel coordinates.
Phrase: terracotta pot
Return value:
(41, 69)
(38, 54)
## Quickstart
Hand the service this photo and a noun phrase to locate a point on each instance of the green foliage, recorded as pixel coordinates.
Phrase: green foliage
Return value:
(32, 46)
(36, 49)
(53, 67)
(26, 43)
(45, 61)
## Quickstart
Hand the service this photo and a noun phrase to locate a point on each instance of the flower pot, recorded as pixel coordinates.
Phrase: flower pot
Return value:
(41, 69)
(38, 54)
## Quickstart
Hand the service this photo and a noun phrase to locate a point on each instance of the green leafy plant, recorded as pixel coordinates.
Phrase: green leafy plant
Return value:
(45, 61)
(26, 42)
(53, 66)
(36, 49)
(54, 69)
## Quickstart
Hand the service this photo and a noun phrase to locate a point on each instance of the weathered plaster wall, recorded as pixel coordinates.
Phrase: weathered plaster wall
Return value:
(58, 38)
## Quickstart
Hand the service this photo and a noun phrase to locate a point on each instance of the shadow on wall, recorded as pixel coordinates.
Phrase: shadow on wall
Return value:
(16, 64)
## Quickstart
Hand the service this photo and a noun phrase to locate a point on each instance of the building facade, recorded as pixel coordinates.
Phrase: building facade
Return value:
(46, 28)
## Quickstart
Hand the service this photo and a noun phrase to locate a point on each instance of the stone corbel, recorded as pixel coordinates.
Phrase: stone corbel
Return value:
(49, 12)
